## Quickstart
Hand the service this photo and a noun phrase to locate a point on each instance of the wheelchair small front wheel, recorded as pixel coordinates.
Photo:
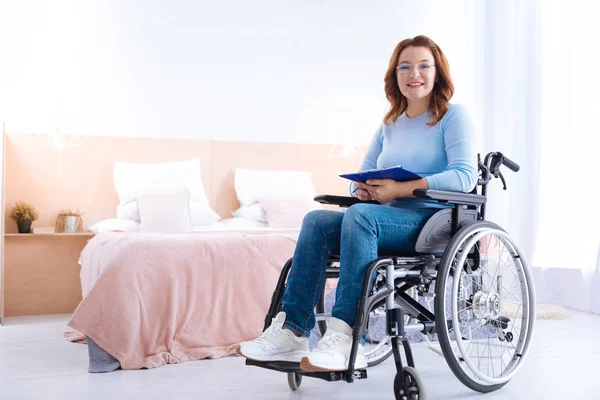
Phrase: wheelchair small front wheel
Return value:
(484, 306)
(409, 385)
(294, 380)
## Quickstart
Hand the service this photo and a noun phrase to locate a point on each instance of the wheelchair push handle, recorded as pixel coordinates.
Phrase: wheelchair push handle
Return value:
(494, 160)
(513, 166)
(491, 167)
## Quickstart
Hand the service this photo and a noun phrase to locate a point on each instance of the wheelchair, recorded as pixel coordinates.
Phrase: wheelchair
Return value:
(475, 273)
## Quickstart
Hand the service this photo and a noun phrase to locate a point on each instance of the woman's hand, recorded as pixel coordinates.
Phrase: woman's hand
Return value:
(362, 193)
(386, 190)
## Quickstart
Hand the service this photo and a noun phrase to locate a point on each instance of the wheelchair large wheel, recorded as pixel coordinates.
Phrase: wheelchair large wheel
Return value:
(484, 306)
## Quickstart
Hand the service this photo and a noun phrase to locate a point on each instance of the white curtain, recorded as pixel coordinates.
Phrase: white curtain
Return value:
(536, 98)
(569, 231)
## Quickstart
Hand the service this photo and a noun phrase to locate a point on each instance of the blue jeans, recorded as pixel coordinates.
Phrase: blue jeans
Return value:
(358, 235)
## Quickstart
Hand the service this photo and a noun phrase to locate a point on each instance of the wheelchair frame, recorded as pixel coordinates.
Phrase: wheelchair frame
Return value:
(417, 271)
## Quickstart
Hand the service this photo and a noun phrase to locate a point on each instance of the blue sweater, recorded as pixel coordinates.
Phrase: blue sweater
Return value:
(444, 154)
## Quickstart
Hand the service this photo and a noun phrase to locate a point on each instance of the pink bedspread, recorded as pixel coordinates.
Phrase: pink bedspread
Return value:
(152, 299)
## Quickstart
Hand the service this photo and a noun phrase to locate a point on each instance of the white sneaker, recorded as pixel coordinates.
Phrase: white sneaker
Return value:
(276, 344)
(333, 350)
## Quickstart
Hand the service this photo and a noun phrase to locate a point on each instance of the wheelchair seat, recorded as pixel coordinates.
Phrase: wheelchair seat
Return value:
(439, 229)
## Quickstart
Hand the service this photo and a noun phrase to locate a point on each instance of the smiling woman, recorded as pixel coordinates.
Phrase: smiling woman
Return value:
(421, 132)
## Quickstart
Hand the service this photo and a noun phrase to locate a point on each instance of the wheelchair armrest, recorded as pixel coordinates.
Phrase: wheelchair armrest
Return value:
(342, 201)
(444, 196)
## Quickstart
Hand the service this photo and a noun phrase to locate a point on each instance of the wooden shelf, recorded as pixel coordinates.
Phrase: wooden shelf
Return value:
(50, 234)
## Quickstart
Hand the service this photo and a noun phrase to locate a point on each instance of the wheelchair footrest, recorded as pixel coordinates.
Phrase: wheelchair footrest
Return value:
(281, 366)
(289, 367)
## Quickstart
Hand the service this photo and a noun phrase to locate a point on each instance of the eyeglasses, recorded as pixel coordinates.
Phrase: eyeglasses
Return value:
(407, 68)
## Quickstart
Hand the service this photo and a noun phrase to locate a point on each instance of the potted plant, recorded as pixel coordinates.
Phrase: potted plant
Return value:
(23, 214)
(69, 221)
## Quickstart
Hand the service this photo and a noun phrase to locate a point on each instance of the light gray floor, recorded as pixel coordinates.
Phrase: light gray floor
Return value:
(36, 363)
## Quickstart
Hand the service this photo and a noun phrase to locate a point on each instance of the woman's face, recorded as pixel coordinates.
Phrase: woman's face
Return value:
(416, 73)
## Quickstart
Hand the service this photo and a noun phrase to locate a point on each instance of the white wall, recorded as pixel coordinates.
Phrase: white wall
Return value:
(265, 70)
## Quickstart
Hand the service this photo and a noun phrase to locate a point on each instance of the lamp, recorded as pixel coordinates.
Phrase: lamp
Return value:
(58, 141)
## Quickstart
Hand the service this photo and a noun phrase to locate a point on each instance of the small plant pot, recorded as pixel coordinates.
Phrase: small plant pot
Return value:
(24, 226)
(70, 223)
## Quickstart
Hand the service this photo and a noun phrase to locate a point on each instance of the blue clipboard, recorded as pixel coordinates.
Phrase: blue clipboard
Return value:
(396, 173)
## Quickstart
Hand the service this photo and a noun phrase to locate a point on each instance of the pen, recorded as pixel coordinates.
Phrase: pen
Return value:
(355, 189)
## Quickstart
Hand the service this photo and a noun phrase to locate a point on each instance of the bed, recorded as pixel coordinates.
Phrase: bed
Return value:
(151, 299)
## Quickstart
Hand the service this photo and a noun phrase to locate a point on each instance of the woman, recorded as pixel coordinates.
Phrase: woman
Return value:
(423, 133)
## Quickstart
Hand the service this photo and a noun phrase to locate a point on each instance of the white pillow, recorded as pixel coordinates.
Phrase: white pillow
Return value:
(120, 225)
(132, 178)
(287, 213)
(255, 212)
(200, 214)
(251, 184)
(165, 211)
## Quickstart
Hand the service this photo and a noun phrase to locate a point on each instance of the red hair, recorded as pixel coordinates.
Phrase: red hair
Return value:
(443, 88)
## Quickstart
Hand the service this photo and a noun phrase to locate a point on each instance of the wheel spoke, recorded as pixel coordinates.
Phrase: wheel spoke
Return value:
(495, 272)
(500, 354)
